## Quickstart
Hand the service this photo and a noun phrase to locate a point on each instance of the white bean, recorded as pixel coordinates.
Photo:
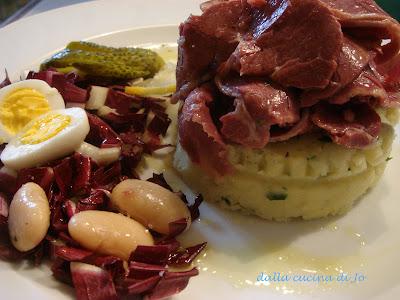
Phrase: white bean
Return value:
(29, 217)
(150, 204)
(108, 233)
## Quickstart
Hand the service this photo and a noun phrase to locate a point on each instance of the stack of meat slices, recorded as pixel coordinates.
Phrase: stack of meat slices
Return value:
(259, 71)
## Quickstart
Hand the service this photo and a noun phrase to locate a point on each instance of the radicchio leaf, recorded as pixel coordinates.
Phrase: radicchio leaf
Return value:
(8, 183)
(63, 83)
(82, 167)
(92, 283)
(58, 220)
(171, 283)
(159, 124)
(67, 239)
(72, 254)
(194, 208)
(3, 211)
(6, 81)
(9, 253)
(132, 150)
(101, 134)
(42, 176)
(140, 271)
(177, 227)
(112, 264)
(153, 255)
(122, 102)
(61, 271)
(129, 121)
(166, 252)
(69, 208)
(160, 180)
(97, 200)
(63, 176)
(107, 177)
(73, 175)
(187, 256)
(133, 287)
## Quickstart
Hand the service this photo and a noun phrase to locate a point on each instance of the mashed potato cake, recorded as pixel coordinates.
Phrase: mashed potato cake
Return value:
(307, 177)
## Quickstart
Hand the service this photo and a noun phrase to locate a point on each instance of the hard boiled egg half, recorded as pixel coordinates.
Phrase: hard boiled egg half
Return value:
(50, 136)
(23, 101)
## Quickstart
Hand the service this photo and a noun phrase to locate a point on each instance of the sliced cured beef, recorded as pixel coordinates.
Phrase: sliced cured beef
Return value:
(296, 43)
(258, 105)
(265, 102)
(365, 88)
(224, 20)
(369, 25)
(206, 41)
(353, 125)
(280, 134)
(199, 136)
(388, 75)
(352, 61)
(239, 127)
(194, 62)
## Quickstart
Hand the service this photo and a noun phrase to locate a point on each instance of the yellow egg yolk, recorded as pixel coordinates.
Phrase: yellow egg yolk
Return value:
(20, 107)
(44, 128)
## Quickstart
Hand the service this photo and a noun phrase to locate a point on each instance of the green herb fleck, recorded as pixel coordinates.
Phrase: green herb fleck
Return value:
(226, 200)
(311, 157)
(389, 158)
(273, 196)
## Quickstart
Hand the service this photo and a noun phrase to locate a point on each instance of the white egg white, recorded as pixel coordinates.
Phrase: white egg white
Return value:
(17, 155)
(54, 98)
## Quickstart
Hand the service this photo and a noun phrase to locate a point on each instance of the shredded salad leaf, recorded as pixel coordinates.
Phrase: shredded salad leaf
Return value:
(76, 183)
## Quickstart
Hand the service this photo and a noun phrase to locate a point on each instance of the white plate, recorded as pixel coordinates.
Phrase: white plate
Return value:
(365, 241)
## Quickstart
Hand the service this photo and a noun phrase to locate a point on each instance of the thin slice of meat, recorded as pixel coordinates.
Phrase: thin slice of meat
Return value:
(353, 125)
(258, 105)
(348, 10)
(365, 21)
(239, 127)
(365, 88)
(352, 60)
(280, 134)
(196, 52)
(388, 75)
(265, 102)
(224, 20)
(206, 41)
(199, 136)
(296, 43)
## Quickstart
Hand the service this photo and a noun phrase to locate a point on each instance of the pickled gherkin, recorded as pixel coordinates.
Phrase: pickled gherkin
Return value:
(107, 62)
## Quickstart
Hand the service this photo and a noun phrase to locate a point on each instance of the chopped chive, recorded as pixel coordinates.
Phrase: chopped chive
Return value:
(277, 196)
(226, 200)
(389, 158)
